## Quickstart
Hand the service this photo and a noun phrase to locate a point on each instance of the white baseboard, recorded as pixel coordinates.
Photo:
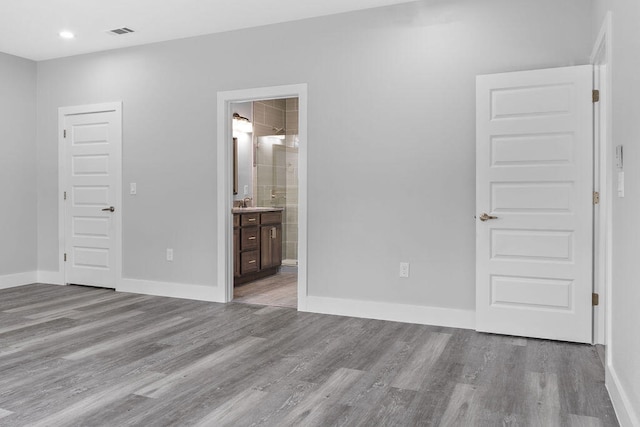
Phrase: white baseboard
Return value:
(167, 289)
(18, 279)
(437, 316)
(627, 414)
(50, 277)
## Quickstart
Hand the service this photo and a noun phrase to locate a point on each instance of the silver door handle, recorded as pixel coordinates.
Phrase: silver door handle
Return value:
(109, 209)
(485, 217)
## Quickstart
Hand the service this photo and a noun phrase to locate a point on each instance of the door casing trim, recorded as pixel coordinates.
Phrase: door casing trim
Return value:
(603, 182)
(224, 179)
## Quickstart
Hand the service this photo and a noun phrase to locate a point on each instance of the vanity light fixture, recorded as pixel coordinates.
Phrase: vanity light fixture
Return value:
(241, 124)
(66, 35)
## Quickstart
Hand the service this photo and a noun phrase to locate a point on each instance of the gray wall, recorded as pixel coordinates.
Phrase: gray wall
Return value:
(18, 203)
(625, 292)
(391, 137)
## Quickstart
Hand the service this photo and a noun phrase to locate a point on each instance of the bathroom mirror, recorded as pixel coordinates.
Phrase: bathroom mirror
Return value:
(235, 166)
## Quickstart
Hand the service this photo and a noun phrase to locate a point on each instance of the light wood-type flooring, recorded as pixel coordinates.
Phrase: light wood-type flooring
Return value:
(73, 356)
(280, 290)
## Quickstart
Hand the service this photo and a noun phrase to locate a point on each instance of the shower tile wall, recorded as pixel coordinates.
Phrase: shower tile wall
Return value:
(268, 118)
(276, 177)
(291, 220)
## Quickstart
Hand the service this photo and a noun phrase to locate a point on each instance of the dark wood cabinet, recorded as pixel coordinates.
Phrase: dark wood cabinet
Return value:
(257, 244)
(236, 253)
(270, 246)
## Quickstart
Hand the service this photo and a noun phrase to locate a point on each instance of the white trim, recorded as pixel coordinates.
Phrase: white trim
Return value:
(224, 226)
(603, 41)
(601, 60)
(18, 279)
(167, 289)
(51, 277)
(423, 315)
(62, 167)
(627, 417)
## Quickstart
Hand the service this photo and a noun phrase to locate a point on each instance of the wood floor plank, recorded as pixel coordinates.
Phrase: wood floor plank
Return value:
(86, 296)
(583, 421)
(318, 406)
(123, 341)
(232, 412)
(29, 343)
(76, 305)
(543, 408)
(164, 385)
(462, 407)
(103, 307)
(95, 401)
(414, 374)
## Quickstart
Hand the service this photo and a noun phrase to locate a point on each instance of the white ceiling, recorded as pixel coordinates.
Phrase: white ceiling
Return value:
(29, 28)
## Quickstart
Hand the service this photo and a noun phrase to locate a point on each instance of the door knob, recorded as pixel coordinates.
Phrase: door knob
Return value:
(485, 217)
(109, 209)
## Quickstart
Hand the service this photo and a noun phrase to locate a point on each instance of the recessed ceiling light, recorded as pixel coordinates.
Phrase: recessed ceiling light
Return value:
(66, 34)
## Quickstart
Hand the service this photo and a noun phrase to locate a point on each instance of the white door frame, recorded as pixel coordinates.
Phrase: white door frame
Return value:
(603, 182)
(62, 182)
(224, 179)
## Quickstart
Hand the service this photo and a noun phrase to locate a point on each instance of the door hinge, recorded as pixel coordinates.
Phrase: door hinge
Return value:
(596, 197)
(65, 196)
(595, 95)
(64, 133)
(65, 257)
(595, 299)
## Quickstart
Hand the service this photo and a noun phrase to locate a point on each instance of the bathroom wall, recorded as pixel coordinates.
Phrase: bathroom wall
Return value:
(290, 222)
(269, 119)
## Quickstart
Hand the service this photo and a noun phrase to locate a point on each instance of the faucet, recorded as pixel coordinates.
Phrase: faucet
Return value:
(246, 202)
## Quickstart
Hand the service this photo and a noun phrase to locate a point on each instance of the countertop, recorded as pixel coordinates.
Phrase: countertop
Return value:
(255, 210)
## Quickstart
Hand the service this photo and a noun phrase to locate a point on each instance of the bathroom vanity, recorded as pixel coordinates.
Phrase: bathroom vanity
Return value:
(257, 243)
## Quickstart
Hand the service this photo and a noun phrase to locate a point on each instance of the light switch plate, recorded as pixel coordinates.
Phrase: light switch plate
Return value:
(133, 190)
(619, 157)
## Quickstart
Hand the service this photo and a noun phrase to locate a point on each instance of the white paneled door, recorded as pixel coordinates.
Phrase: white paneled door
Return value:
(91, 139)
(534, 201)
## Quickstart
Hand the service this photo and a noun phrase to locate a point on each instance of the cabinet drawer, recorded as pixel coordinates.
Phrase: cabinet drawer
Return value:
(248, 238)
(236, 220)
(249, 219)
(271, 218)
(248, 262)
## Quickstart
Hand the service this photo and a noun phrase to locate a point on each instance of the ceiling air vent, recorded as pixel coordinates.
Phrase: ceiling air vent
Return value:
(120, 31)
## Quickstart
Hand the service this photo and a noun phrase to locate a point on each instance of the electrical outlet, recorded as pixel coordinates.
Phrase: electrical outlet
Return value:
(169, 254)
(404, 269)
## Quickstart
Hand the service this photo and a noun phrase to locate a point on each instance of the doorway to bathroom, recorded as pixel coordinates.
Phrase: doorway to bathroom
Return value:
(265, 166)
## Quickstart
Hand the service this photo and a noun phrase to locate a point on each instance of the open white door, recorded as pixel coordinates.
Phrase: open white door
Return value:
(534, 201)
(91, 140)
